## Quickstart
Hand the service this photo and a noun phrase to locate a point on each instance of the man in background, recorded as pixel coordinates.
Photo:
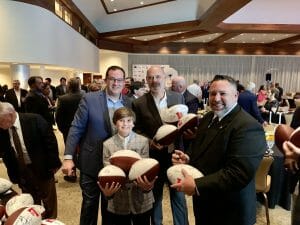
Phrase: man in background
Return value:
(52, 93)
(62, 88)
(16, 96)
(66, 108)
(30, 154)
(192, 102)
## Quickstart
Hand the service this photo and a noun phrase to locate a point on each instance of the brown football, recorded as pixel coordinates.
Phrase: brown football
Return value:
(22, 216)
(295, 137)
(145, 167)
(110, 174)
(189, 121)
(124, 159)
(2, 211)
(282, 134)
(166, 134)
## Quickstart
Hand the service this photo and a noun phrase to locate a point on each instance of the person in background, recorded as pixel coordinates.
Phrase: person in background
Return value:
(66, 108)
(192, 102)
(51, 103)
(91, 126)
(132, 204)
(205, 91)
(280, 89)
(227, 149)
(52, 94)
(292, 164)
(247, 100)
(62, 88)
(148, 120)
(16, 96)
(35, 102)
(30, 154)
(94, 87)
(196, 90)
(262, 96)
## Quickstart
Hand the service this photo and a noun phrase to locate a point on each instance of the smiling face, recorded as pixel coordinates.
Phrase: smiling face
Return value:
(156, 79)
(125, 125)
(115, 82)
(7, 120)
(222, 96)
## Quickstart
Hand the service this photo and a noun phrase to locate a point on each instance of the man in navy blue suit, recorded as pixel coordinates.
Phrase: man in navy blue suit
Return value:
(91, 126)
(248, 101)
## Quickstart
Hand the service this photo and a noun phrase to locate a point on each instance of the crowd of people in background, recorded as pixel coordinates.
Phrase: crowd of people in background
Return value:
(91, 121)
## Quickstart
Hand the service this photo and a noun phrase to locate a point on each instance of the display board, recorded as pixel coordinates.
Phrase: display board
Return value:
(139, 71)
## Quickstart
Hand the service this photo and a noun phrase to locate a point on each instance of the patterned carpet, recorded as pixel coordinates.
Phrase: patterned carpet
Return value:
(69, 202)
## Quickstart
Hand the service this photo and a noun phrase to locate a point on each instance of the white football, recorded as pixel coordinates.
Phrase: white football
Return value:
(174, 113)
(24, 216)
(166, 134)
(5, 185)
(17, 202)
(175, 175)
(144, 167)
(188, 121)
(110, 174)
(124, 159)
(52, 222)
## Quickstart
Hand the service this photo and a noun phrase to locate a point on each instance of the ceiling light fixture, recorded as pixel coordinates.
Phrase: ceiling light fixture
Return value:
(142, 3)
(115, 10)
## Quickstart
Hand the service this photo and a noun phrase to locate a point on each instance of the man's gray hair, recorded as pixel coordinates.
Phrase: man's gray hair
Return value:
(6, 108)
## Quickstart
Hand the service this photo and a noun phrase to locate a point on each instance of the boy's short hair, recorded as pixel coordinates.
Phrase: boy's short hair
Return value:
(122, 113)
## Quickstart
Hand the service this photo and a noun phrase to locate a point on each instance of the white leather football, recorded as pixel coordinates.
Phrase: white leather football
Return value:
(174, 113)
(17, 202)
(5, 185)
(144, 167)
(166, 134)
(110, 174)
(24, 216)
(124, 159)
(175, 175)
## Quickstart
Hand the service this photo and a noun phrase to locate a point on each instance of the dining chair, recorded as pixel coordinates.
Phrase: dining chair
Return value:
(263, 182)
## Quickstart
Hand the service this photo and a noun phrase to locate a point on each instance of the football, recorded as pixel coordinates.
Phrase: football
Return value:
(188, 121)
(110, 174)
(52, 221)
(284, 133)
(2, 211)
(166, 134)
(17, 202)
(144, 167)
(175, 175)
(5, 185)
(124, 159)
(295, 137)
(174, 113)
(24, 216)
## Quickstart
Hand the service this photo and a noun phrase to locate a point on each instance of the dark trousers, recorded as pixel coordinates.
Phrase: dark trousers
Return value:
(42, 191)
(132, 219)
(90, 202)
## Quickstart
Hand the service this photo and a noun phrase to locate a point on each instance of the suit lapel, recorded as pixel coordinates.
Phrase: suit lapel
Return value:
(104, 109)
(151, 106)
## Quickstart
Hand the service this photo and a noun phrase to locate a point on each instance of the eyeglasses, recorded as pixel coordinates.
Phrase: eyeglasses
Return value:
(120, 80)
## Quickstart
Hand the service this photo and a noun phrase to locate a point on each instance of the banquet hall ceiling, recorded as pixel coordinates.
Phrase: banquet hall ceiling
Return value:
(195, 26)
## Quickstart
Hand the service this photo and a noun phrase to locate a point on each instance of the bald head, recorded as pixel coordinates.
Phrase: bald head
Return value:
(156, 79)
(178, 84)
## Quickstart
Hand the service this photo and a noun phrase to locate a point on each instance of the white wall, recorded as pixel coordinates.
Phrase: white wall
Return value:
(31, 34)
(113, 58)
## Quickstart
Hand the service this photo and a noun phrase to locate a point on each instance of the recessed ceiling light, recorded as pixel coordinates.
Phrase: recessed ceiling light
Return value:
(145, 39)
(179, 32)
(242, 34)
(244, 42)
(142, 3)
(232, 38)
(264, 34)
(273, 39)
(133, 37)
(115, 10)
(111, 0)
(160, 36)
(184, 41)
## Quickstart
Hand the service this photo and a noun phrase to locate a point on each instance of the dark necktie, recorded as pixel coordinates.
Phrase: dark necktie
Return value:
(214, 122)
(18, 147)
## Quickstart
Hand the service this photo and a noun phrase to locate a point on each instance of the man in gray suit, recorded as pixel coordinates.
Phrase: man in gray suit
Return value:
(147, 109)
(91, 126)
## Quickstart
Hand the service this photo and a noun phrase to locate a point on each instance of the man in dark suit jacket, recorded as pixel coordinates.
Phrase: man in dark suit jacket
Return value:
(228, 148)
(192, 102)
(52, 94)
(35, 101)
(62, 88)
(91, 126)
(33, 165)
(16, 96)
(147, 109)
(66, 108)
